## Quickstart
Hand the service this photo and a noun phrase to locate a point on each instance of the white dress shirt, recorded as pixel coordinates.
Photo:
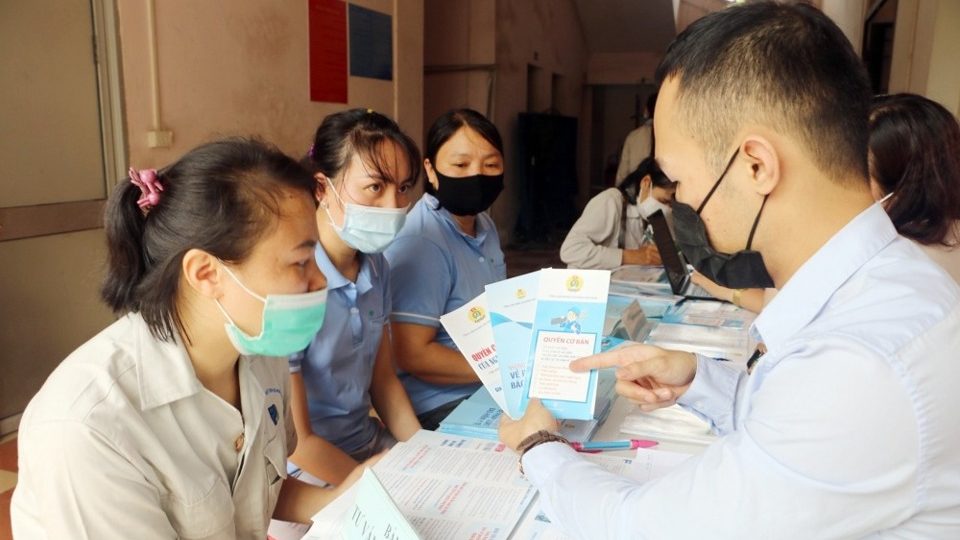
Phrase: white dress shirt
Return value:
(122, 441)
(848, 427)
(947, 256)
(637, 146)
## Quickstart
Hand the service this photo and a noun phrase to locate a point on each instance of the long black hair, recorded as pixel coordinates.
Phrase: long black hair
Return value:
(915, 153)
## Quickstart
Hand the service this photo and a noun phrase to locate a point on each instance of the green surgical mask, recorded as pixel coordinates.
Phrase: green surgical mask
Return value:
(289, 322)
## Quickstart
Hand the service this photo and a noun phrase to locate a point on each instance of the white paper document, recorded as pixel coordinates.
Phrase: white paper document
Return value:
(709, 313)
(446, 487)
(552, 378)
(638, 274)
(471, 330)
(571, 309)
(374, 515)
(716, 342)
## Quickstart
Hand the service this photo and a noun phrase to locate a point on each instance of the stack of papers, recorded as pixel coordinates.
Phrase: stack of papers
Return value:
(654, 302)
(713, 341)
(709, 313)
(438, 486)
(673, 424)
(648, 285)
(442, 486)
(650, 277)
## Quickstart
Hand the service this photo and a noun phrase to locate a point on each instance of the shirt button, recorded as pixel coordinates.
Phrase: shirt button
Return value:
(699, 406)
(238, 444)
(481, 259)
(354, 311)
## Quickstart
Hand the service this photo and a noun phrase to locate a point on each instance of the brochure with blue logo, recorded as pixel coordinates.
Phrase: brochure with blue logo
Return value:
(568, 324)
(512, 304)
(469, 327)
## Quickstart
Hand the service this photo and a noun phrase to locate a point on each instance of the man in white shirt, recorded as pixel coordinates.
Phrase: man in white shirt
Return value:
(638, 144)
(849, 425)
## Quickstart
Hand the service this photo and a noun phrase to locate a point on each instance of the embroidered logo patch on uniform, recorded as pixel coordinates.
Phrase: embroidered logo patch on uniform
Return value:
(274, 415)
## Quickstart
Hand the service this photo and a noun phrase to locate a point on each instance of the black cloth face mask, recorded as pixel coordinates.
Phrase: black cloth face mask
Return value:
(468, 195)
(741, 270)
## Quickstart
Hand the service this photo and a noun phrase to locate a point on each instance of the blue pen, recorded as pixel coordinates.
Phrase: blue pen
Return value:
(599, 446)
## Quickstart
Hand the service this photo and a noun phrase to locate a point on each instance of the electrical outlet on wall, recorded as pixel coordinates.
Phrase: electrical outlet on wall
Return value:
(159, 139)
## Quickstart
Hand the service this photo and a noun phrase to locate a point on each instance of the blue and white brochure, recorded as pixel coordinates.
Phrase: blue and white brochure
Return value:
(568, 324)
(512, 304)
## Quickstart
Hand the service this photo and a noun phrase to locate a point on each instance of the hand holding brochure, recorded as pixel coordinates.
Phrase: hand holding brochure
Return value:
(571, 306)
(527, 330)
(479, 416)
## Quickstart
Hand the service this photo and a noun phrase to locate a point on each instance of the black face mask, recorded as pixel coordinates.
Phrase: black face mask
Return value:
(741, 270)
(468, 195)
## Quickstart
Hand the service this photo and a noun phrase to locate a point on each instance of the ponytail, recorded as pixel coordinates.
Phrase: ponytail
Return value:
(221, 197)
(124, 224)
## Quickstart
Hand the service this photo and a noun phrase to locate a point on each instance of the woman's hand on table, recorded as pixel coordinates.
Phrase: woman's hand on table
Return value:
(648, 376)
(646, 255)
(717, 291)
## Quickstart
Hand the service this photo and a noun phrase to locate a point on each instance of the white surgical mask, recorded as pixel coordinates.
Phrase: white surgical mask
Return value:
(367, 229)
(650, 205)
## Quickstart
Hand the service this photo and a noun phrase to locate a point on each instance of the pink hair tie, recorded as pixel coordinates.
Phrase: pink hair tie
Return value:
(149, 185)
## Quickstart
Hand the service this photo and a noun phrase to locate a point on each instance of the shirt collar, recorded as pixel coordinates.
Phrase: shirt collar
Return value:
(164, 371)
(814, 283)
(451, 222)
(336, 280)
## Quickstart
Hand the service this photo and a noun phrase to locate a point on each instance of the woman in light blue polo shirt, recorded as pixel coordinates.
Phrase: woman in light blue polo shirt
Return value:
(365, 169)
(444, 256)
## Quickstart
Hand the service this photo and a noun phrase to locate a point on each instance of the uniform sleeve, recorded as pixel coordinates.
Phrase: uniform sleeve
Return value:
(420, 279)
(295, 361)
(586, 244)
(813, 459)
(713, 394)
(83, 487)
